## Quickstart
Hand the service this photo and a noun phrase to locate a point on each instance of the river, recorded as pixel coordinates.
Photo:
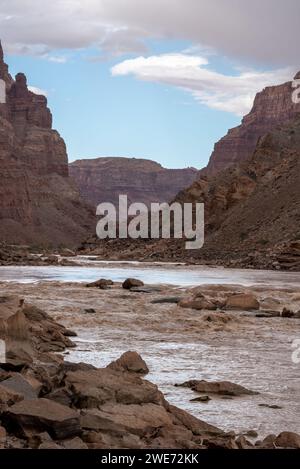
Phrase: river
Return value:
(176, 344)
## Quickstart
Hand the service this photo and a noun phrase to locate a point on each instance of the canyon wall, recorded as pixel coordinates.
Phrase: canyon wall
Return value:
(103, 179)
(272, 107)
(39, 204)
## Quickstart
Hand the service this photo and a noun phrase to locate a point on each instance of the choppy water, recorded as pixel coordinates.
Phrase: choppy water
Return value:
(265, 367)
(258, 358)
(158, 274)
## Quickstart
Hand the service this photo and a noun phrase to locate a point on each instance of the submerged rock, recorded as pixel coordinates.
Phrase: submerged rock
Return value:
(217, 387)
(242, 301)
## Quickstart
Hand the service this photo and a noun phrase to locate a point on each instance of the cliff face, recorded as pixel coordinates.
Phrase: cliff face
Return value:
(38, 202)
(256, 203)
(252, 212)
(103, 179)
(273, 106)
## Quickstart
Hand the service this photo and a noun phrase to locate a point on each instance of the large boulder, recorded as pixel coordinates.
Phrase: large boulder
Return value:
(242, 301)
(131, 283)
(225, 388)
(92, 389)
(122, 419)
(8, 397)
(14, 331)
(198, 304)
(17, 383)
(131, 362)
(103, 284)
(288, 440)
(196, 426)
(43, 415)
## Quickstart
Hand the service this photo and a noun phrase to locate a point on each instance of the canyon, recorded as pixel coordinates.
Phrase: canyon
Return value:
(252, 198)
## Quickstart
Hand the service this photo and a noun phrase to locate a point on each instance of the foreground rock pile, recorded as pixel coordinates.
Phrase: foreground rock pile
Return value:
(46, 402)
(24, 255)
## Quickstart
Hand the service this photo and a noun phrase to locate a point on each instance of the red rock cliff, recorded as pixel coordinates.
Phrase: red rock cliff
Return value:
(103, 179)
(38, 202)
(272, 107)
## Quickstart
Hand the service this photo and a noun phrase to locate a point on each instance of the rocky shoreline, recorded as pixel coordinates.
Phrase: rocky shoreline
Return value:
(48, 402)
(286, 256)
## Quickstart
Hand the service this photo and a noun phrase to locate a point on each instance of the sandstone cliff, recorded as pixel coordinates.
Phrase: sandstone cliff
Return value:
(255, 206)
(38, 202)
(272, 106)
(252, 211)
(103, 179)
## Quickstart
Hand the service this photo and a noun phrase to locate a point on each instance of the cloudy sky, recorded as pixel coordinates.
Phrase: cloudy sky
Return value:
(162, 79)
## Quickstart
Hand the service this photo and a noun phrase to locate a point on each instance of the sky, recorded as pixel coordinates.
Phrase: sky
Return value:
(158, 79)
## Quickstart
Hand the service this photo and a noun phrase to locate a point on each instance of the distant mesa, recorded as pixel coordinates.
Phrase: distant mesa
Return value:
(103, 179)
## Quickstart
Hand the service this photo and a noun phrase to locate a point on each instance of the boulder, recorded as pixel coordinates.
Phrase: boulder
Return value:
(243, 443)
(2, 435)
(196, 426)
(103, 284)
(131, 362)
(92, 389)
(221, 442)
(17, 383)
(14, 330)
(288, 440)
(198, 304)
(167, 300)
(74, 443)
(287, 313)
(201, 399)
(121, 419)
(242, 301)
(36, 439)
(50, 445)
(61, 395)
(267, 443)
(8, 397)
(43, 415)
(132, 282)
(225, 388)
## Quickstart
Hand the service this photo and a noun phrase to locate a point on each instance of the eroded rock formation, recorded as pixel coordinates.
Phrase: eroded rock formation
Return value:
(272, 107)
(38, 202)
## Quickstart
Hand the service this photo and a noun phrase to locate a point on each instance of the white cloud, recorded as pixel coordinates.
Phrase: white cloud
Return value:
(57, 59)
(266, 31)
(36, 90)
(232, 93)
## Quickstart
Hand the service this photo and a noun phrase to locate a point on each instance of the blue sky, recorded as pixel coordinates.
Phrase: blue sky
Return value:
(159, 79)
(101, 115)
